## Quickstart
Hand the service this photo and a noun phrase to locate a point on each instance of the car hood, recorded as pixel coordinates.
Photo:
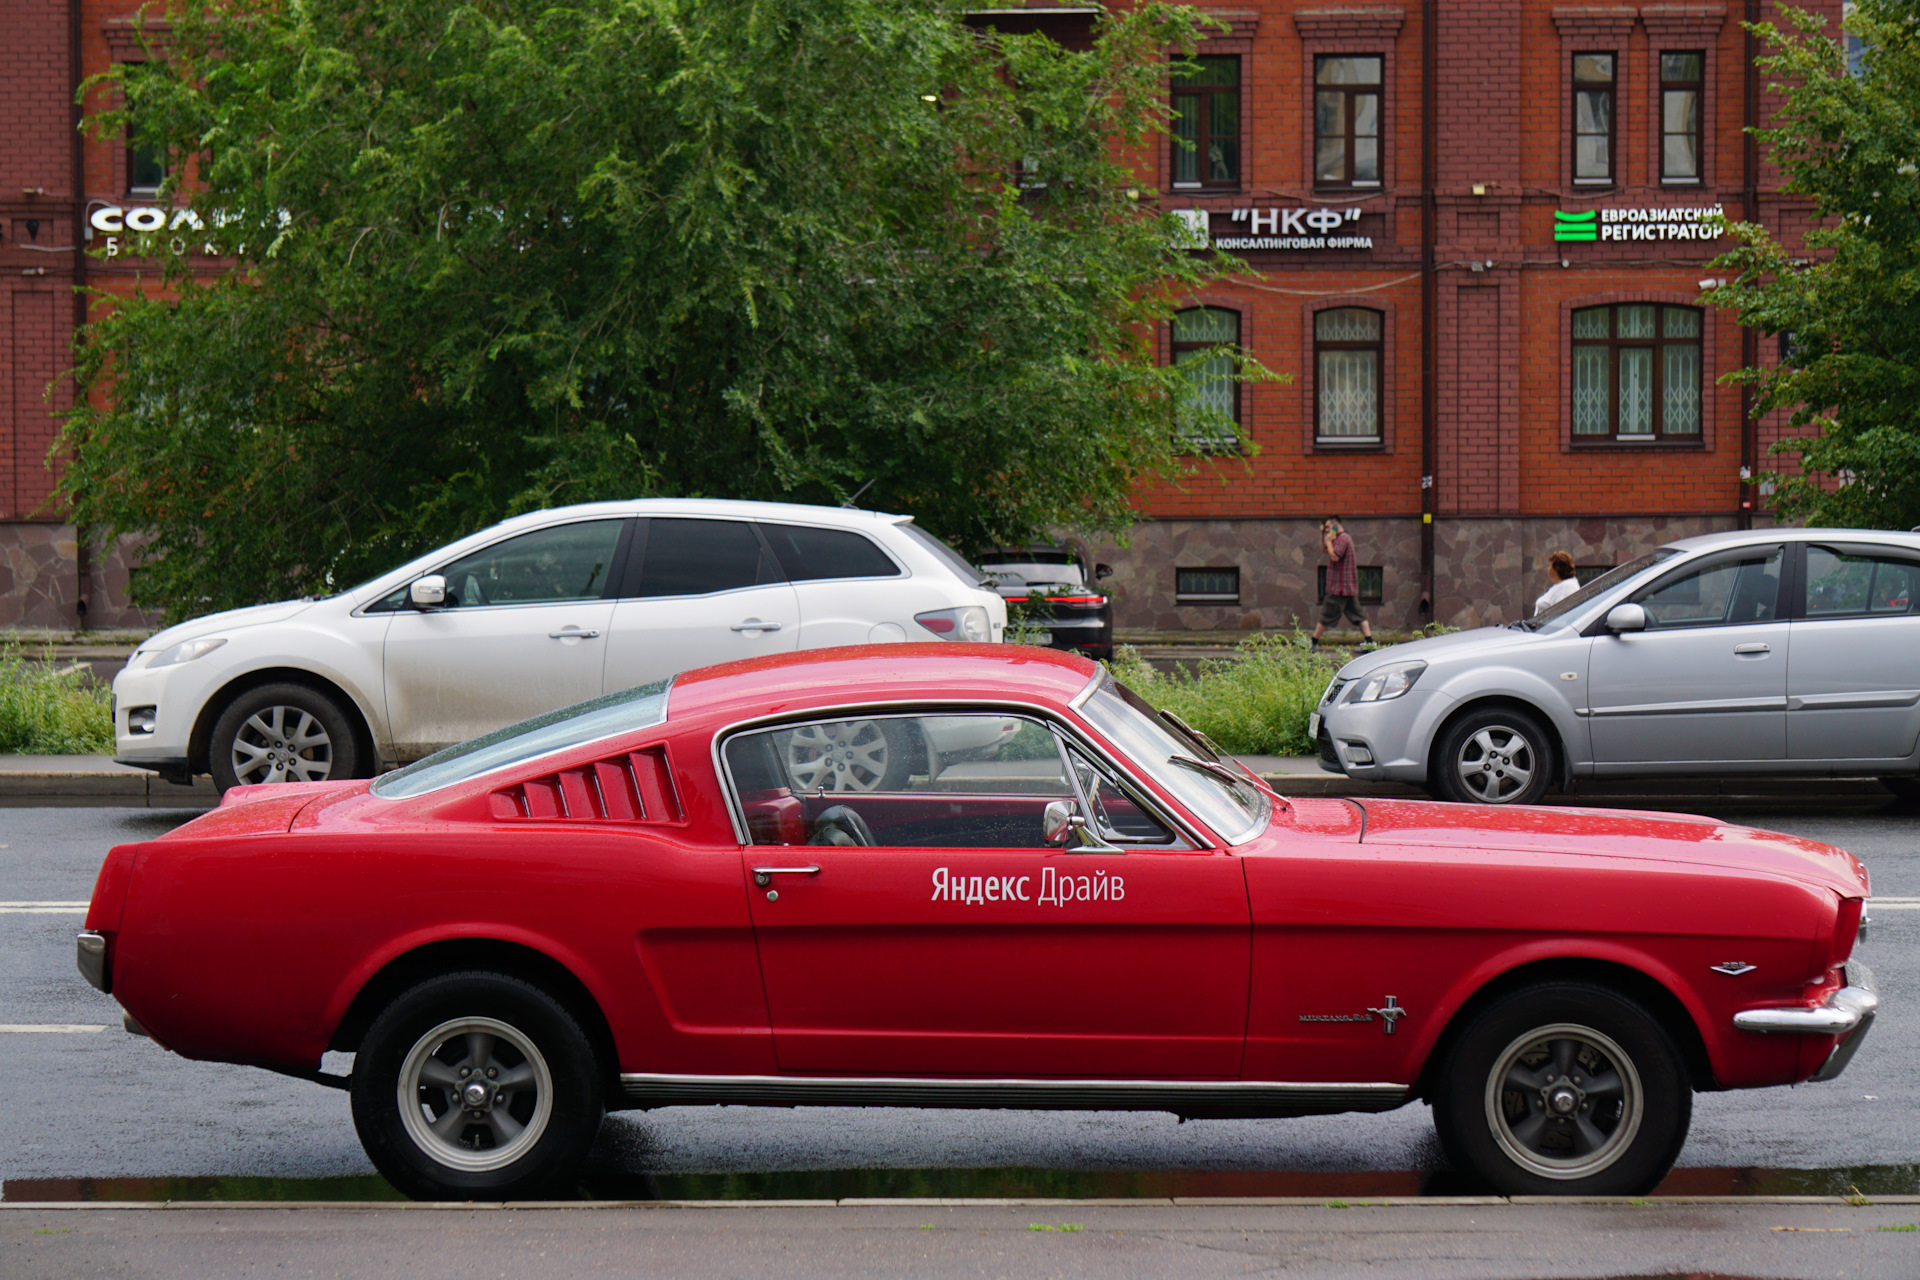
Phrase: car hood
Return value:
(1483, 642)
(230, 620)
(1612, 833)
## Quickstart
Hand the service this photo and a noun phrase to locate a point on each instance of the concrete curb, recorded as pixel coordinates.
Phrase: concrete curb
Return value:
(100, 789)
(1175, 1202)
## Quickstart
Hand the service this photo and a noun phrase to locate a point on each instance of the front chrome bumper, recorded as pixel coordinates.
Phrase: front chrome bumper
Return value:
(1847, 1013)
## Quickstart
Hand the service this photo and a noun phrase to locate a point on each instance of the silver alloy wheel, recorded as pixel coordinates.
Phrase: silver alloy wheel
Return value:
(282, 744)
(842, 755)
(1495, 764)
(475, 1094)
(1564, 1101)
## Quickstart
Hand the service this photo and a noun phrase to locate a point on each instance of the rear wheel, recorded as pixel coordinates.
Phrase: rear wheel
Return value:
(282, 732)
(1501, 755)
(1564, 1089)
(476, 1086)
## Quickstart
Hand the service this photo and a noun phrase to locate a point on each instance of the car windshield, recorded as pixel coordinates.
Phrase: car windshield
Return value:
(1235, 808)
(1598, 587)
(1021, 573)
(603, 717)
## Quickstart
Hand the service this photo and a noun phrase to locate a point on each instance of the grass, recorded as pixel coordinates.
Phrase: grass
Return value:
(51, 710)
(1254, 703)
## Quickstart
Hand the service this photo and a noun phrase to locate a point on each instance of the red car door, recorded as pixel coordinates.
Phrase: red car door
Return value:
(957, 942)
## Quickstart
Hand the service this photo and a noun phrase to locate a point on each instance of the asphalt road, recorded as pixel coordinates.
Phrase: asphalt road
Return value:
(103, 1105)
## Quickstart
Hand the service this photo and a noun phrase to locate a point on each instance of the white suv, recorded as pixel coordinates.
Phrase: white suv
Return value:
(536, 613)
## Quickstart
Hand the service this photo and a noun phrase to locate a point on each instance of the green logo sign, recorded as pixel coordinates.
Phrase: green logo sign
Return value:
(1576, 226)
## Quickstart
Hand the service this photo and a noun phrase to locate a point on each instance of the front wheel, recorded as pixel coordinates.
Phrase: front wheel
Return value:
(1567, 1089)
(1497, 756)
(476, 1086)
(282, 733)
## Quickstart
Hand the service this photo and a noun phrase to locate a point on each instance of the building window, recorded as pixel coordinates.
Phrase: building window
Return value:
(1636, 373)
(1593, 117)
(146, 162)
(1206, 586)
(1371, 579)
(1585, 573)
(1346, 121)
(1346, 364)
(1206, 122)
(1680, 77)
(1208, 415)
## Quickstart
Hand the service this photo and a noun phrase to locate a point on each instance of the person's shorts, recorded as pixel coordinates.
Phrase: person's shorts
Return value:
(1332, 606)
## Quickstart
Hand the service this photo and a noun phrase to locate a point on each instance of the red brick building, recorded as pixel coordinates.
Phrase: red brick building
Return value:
(1475, 228)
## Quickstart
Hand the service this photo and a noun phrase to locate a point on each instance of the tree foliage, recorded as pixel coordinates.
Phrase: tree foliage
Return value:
(495, 255)
(1851, 378)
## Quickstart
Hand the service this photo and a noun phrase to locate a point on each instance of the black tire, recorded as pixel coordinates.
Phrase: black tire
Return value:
(1516, 1066)
(435, 1030)
(284, 732)
(1501, 755)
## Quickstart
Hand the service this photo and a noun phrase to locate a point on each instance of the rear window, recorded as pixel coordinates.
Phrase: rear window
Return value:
(809, 555)
(603, 717)
(948, 556)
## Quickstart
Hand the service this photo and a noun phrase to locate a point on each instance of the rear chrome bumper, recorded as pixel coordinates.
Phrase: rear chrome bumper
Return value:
(90, 950)
(1847, 1013)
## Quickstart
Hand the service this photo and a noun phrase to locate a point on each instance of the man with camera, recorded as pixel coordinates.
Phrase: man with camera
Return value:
(1343, 584)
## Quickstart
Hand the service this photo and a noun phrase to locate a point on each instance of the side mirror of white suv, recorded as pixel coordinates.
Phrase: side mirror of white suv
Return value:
(429, 592)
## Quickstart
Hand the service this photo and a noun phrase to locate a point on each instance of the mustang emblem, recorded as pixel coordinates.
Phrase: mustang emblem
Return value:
(1390, 1013)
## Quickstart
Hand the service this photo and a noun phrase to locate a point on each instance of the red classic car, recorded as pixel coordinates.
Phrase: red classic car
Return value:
(966, 876)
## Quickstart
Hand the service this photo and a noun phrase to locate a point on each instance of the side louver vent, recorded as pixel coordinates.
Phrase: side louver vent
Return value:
(635, 787)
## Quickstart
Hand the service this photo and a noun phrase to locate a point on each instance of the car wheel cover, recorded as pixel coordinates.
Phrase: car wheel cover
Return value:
(1564, 1101)
(844, 755)
(453, 1058)
(281, 743)
(1495, 764)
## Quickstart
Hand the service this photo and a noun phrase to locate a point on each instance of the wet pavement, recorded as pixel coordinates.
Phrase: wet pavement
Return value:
(98, 1114)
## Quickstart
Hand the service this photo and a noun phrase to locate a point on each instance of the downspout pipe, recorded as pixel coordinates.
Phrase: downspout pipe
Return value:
(1749, 212)
(1429, 376)
(83, 559)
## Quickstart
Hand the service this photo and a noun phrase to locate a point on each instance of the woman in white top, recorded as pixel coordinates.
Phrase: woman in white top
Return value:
(1565, 583)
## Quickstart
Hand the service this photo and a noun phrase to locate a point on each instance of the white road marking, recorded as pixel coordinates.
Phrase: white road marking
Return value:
(35, 1027)
(42, 908)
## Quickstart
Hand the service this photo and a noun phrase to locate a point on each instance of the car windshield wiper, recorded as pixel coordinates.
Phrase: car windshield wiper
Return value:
(1192, 734)
(1219, 771)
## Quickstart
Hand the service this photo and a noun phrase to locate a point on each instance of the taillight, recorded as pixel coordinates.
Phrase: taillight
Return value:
(969, 622)
(1846, 930)
(1082, 601)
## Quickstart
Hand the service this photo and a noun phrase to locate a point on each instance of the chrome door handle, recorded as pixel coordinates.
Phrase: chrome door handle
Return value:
(764, 875)
(572, 633)
(754, 624)
(1753, 648)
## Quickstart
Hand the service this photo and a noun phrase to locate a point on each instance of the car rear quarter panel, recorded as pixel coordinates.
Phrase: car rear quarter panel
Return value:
(1339, 928)
(252, 949)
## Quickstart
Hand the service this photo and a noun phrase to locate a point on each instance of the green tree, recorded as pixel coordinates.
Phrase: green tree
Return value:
(495, 255)
(1852, 376)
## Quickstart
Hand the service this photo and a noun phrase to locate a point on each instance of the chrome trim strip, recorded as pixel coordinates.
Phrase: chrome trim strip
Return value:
(935, 706)
(1040, 1094)
(1850, 701)
(1688, 708)
(1087, 690)
(90, 953)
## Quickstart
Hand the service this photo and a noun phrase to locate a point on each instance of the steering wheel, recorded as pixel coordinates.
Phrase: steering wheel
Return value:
(840, 825)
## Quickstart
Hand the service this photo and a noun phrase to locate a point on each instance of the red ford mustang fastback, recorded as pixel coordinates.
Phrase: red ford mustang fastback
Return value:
(966, 876)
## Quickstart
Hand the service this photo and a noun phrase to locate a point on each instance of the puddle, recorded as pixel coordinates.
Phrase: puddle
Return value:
(1067, 1184)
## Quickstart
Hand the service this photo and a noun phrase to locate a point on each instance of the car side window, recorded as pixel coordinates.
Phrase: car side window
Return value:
(1844, 585)
(980, 780)
(1726, 593)
(810, 555)
(546, 566)
(695, 557)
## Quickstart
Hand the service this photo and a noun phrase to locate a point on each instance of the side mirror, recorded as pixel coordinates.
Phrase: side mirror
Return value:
(1626, 617)
(1058, 821)
(1102, 571)
(429, 592)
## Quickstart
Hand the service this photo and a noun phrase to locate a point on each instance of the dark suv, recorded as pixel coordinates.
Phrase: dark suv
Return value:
(1076, 614)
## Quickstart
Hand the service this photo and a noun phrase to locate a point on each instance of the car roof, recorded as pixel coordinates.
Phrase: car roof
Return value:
(848, 517)
(932, 671)
(1755, 537)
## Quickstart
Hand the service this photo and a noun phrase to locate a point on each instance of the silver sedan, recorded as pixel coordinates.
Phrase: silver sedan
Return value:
(1779, 651)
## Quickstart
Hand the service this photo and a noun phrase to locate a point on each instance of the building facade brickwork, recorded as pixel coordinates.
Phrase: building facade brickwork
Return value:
(1468, 358)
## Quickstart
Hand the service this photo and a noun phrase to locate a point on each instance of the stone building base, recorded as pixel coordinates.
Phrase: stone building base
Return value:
(41, 587)
(1487, 571)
